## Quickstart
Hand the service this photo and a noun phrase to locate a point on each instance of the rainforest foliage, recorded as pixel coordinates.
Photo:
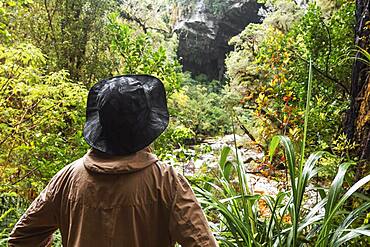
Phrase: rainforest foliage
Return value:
(52, 52)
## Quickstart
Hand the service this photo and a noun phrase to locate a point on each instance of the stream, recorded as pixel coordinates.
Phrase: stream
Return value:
(249, 154)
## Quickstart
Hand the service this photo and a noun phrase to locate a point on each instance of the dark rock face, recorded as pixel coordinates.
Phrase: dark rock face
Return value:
(203, 37)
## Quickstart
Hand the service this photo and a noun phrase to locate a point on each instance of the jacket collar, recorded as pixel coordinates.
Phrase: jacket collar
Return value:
(107, 164)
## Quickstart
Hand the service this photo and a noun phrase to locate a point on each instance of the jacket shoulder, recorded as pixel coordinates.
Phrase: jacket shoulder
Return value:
(62, 177)
(164, 167)
(166, 171)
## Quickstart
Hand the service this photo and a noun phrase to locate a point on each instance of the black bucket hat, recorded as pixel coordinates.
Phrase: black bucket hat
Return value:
(125, 114)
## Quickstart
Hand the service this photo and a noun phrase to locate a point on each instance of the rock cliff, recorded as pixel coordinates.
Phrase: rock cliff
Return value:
(204, 36)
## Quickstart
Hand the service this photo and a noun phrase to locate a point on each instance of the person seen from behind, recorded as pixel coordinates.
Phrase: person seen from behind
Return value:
(118, 193)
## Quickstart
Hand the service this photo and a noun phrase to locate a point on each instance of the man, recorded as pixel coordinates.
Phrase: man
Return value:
(118, 194)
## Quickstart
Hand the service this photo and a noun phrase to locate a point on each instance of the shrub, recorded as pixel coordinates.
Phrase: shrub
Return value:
(268, 70)
(41, 120)
(200, 110)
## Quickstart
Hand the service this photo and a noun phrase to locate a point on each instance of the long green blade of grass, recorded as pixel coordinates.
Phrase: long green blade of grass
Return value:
(337, 236)
(335, 207)
(352, 233)
(306, 114)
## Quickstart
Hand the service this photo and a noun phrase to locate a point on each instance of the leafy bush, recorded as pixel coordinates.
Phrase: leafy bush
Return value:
(12, 207)
(41, 120)
(200, 110)
(195, 113)
(139, 53)
(174, 136)
(268, 70)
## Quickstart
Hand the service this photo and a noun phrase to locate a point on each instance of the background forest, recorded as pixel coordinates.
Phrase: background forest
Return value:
(293, 89)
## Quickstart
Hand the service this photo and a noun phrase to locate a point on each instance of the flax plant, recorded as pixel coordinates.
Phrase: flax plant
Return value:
(239, 220)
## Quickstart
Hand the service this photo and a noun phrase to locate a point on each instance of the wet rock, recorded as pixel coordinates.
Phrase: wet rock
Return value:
(203, 36)
(262, 185)
(258, 183)
(228, 140)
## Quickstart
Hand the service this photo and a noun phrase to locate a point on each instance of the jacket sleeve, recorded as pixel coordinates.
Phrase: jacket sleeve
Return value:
(38, 223)
(188, 224)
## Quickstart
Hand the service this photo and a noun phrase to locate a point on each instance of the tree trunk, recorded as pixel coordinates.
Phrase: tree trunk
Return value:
(357, 126)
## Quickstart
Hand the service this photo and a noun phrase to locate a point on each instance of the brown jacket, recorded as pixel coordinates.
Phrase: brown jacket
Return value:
(122, 201)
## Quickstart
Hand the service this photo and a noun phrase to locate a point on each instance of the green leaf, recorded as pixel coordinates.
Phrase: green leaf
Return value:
(223, 157)
(227, 170)
(273, 145)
